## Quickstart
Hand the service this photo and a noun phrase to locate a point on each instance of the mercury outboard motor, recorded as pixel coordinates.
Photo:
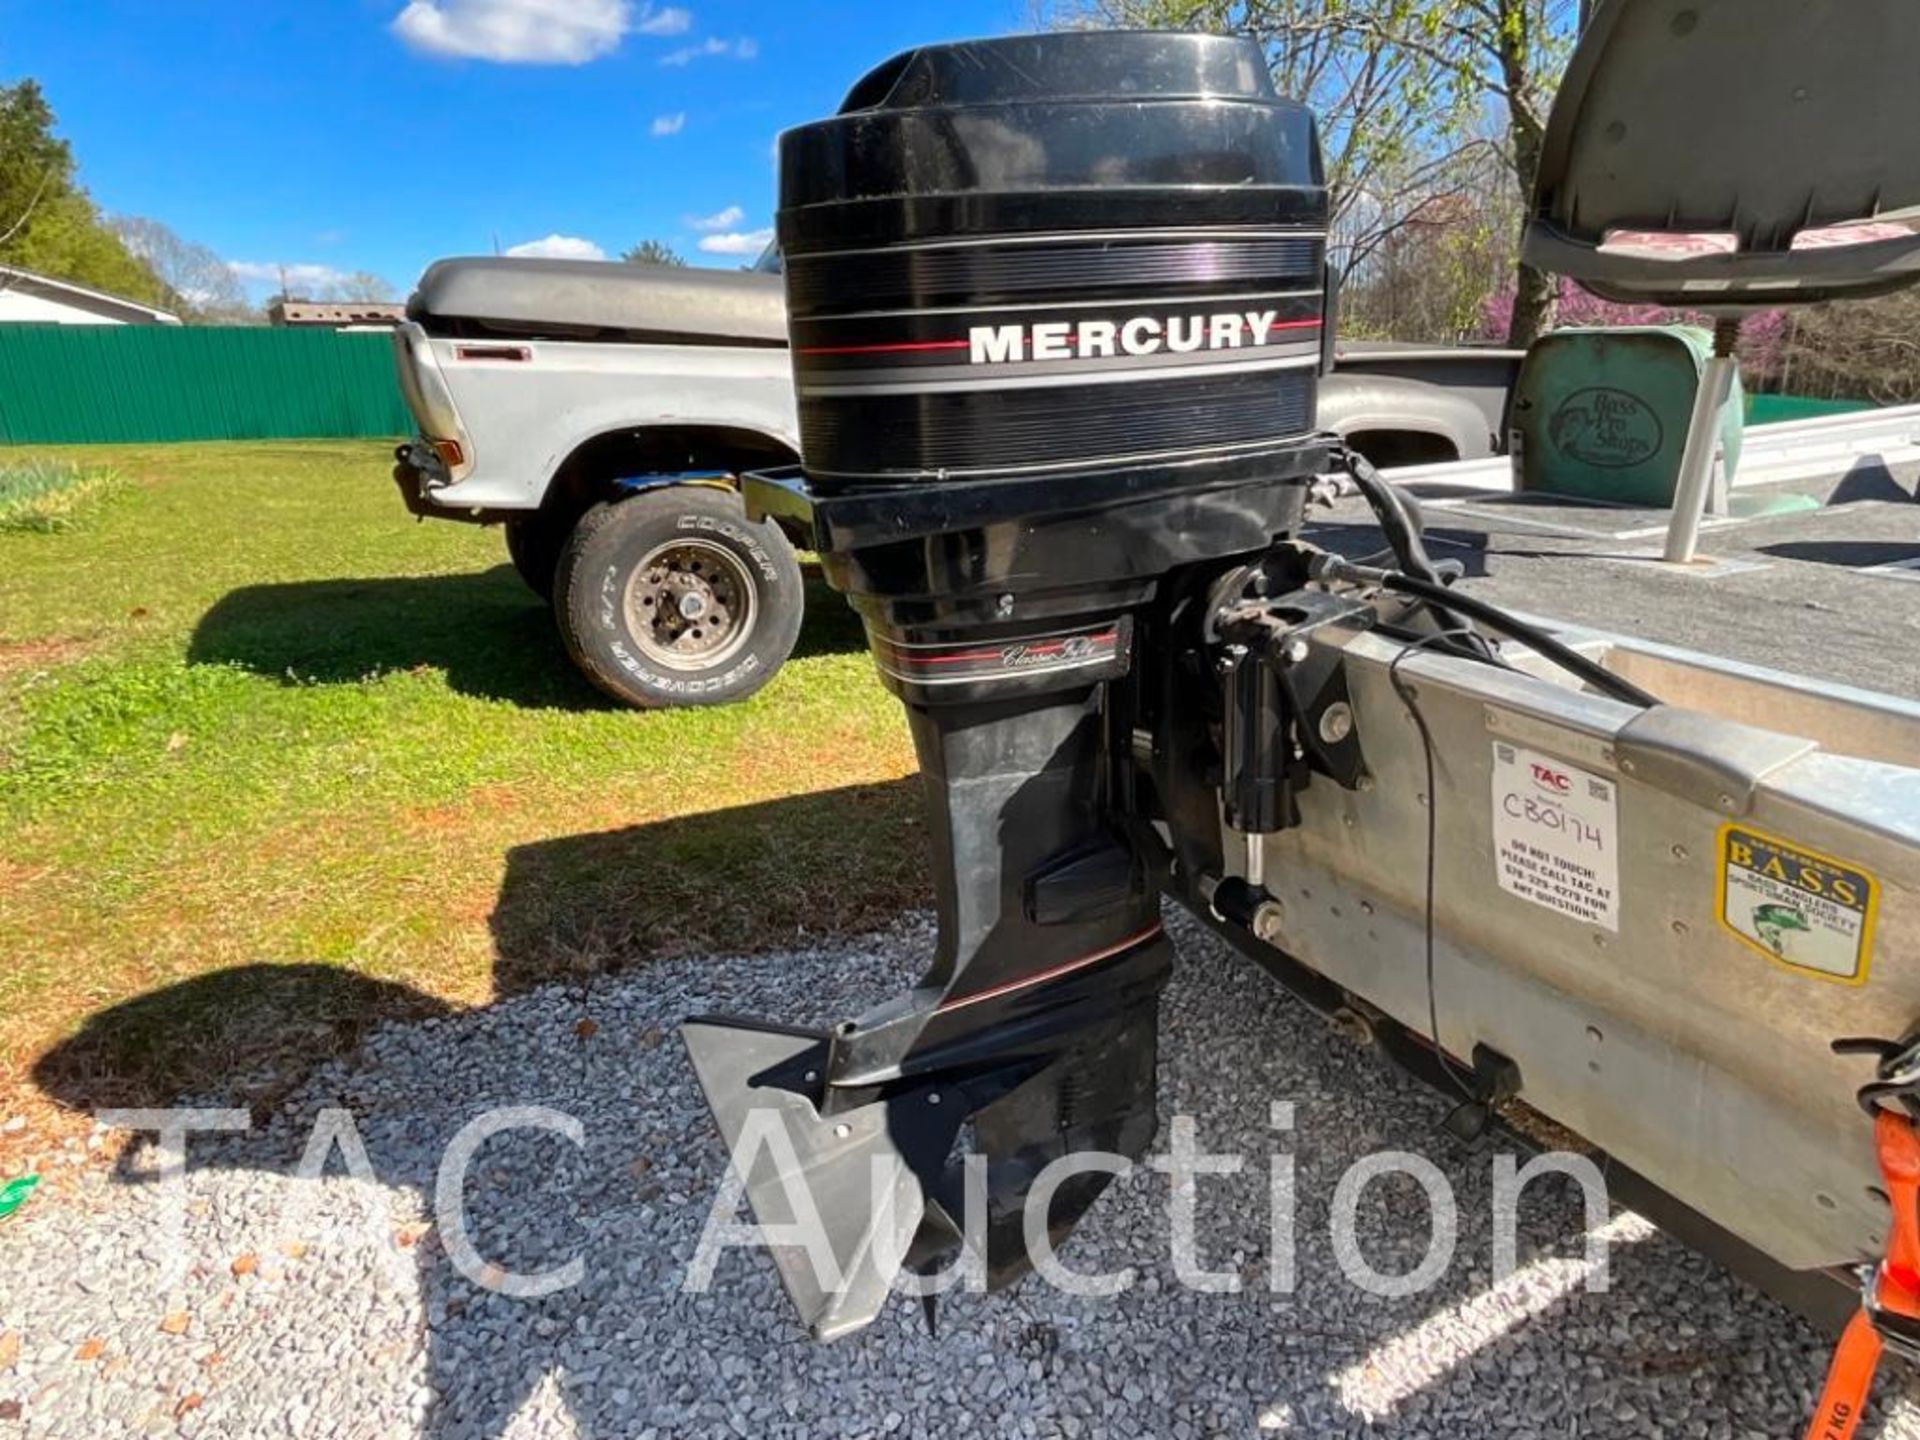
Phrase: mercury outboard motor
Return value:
(1056, 308)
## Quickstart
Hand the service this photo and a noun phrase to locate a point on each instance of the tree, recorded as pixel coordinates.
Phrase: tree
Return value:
(653, 252)
(1515, 51)
(1428, 279)
(1402, 89)
(361, 287)
(48, 222)
(34, 164)
(1863, 350)
(199, 284)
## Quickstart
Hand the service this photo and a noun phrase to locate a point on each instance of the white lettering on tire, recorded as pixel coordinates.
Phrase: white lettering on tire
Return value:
(682, 684)
(745, 541)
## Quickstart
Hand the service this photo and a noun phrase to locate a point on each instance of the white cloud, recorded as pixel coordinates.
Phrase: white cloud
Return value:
(687, 54)
(524, 32)
(737, 242)
(745, 48)
(301, 279)
(668, 124)
(559, 247)
(720, 220)
(671, 20)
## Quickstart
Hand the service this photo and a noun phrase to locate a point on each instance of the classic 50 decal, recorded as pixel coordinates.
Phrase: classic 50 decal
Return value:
(998, 659)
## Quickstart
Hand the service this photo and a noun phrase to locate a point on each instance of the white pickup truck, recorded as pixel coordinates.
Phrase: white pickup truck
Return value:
(603, 414)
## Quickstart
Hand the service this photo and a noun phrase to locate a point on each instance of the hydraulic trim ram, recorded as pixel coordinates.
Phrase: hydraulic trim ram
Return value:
(1642, 890)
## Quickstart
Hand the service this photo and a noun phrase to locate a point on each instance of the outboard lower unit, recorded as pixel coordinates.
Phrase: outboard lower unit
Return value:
(1056, 309)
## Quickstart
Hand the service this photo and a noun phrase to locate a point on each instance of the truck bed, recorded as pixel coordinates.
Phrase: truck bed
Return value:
(524, 298)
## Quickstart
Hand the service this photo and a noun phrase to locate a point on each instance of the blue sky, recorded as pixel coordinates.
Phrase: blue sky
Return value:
(342, 135)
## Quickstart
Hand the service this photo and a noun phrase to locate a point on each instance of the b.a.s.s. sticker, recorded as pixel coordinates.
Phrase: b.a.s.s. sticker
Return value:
(1799, 908)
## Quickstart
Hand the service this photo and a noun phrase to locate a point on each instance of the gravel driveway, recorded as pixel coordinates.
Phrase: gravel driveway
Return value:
(328, 1309)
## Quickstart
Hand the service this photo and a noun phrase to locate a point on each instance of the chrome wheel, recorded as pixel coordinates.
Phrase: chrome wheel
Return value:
(690, 604)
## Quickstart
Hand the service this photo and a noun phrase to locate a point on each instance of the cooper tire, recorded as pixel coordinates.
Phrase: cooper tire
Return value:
(673, 597)
(534, 543)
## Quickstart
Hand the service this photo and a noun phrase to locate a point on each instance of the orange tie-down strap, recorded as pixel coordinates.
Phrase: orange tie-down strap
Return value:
(1894, 1289)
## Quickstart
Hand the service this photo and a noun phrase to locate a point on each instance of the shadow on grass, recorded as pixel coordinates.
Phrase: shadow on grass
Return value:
(486, 632)
(755, 877)
(242, 1036)
(829, 627)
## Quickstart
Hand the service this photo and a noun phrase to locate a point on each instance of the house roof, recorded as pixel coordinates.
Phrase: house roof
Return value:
(84, 297)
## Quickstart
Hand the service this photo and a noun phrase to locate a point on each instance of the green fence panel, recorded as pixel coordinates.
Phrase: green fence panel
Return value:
(1777, 409)
(81, 384)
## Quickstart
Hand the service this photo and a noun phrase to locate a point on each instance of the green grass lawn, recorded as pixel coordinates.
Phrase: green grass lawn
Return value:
(276, 761)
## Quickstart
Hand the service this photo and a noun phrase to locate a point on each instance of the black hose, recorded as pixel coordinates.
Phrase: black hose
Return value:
(1398, 520)
(1401, 523)
(1419, 579)
(1532, 636)
(1414, 713)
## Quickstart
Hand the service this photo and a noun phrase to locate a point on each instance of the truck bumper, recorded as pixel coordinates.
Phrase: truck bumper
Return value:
(419, 472)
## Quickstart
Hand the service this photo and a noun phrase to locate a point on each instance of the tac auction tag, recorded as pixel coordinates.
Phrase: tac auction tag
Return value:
(1799, 908)
(1556, 835)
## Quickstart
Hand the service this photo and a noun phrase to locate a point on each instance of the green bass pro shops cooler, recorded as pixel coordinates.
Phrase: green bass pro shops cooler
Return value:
(1601, 413)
